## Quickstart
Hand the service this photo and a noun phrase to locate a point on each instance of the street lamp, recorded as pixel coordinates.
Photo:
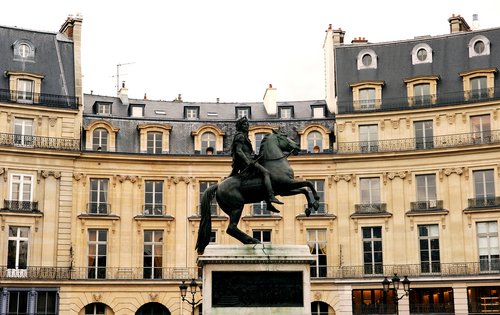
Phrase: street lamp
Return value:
(395, 285)
(193, 286)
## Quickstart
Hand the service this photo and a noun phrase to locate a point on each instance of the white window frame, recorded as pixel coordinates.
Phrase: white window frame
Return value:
(314, 139)
(23, 180)
(428, 182)
(154, 207)
(434, 266)
(102, 188)
(18, 271)
(96, 244)
(154, 246)
(373, 55)
(208, 140)
(472, 43)
(153, 138)
(368, 138)
(259, 234)
(25, 91)
(317, 240)
(370, 185)
(102, 136)
(487, 245)
(23, 132)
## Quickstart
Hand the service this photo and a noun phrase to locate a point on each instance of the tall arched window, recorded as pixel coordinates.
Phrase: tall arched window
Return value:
(319, 308)
(100, 139)
(314, 142)
(95, 309)
(207, 143)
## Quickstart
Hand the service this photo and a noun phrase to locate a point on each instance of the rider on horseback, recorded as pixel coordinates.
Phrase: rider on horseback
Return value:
(242, 151)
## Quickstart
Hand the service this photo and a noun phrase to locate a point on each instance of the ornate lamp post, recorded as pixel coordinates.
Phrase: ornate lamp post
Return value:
(193, 286)
(395, 285)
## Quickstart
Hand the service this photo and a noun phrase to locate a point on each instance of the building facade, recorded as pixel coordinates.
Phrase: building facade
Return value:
(101, 193)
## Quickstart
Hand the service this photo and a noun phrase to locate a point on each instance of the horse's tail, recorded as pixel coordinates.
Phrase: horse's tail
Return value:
(206, 221)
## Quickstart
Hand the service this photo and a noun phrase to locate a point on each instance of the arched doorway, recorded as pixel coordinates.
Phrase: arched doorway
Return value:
(320, 308)
(152, 308)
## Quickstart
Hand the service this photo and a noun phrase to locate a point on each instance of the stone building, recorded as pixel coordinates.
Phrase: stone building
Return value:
(101, 193)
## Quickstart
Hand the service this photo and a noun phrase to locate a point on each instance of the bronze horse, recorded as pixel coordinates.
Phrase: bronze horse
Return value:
(236, 191)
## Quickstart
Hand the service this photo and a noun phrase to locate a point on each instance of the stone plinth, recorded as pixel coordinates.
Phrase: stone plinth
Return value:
(256, 279)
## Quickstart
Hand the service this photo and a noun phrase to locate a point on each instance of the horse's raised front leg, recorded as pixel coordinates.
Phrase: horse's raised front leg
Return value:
(310, 202)
(238, 234)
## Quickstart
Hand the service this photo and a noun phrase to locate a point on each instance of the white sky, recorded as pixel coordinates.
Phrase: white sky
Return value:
(230, 49)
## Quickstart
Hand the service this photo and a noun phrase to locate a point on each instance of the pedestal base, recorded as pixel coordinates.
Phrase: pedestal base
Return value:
(256, 279)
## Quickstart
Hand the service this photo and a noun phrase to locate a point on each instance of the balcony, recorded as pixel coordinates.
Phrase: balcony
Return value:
(41, 99)
(405, 103)
(98, 208)
(22, 206)
(484, 202)
(370, 208)
(153, 210)
(428, 205)
(35, 142)
(411, 144)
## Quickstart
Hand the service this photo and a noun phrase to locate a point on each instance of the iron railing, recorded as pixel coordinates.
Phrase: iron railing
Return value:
(153, 210)
(411, 144)
(370, 208)
(372, 309)
(430, 308)
(36, 142)
(98, 208)
(86, 273)
(426, 205)
(413, 270)
(484, 202)
(405, 103)
(19, 205)
(43, 99)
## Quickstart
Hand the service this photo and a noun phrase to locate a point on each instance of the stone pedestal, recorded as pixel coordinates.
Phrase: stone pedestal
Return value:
(256, 279)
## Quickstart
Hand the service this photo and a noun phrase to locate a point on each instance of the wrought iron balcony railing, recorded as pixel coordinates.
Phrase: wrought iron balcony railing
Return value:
(153, 209)
(23, 141)
(84, 273)
(370, 208)
(98, 208)
(484, 202)
(430, 101)
(426, 205)
(410, 144)
(42, 99)
(19, 205)
(413, 270)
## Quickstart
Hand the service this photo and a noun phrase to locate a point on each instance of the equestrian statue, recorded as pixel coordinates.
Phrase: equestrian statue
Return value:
(254, 179)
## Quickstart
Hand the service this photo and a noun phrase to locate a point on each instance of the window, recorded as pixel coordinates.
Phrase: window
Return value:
(24, 91)
(421, 53)
(23, 132)
(191, 113)
(213, 237)
(314, 142)
(46, 302)
(479, 45)
(103, 108)
(95, 309)
(319, 185)
(97, 254)
(242, 112)
(426, 189)
(367, 59)
(285, 112)
(100, 139)
(17, 255)
(372, 250)
(422, 94)
(18, 303)
(481, 129)
(21, 192)
(260, 208)
(153, 254)
(316, 240)
(487, 238)
(370, 190)
(428, 237)
(264, 236)
(207, 143)
(318, 111)
(424, 136)
(136, 111)
(479, 88)
(153, 197)
(368, 137)
(373, 301)
(204, 186)
(98, 203)
(258, 140)
(367, 98)
(484, 188)
(155, 140)
(24, 51)
(484, 299)
(319, 308)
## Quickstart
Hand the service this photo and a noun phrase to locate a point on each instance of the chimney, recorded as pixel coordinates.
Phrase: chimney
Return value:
(72, 26)
(270, 100)
(475, 22)
(123, 94)
(334, 37)
(145, 96)
(458, 24)
(359, 40)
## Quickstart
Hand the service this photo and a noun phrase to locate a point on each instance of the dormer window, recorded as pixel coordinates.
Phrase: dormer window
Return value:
(136, 111)
(103, 108)
(479, 46)
(318, 111)
(24, 51)
(191, 113)
(243, 112)
(367, 59)
(285, 112)
(421, 53)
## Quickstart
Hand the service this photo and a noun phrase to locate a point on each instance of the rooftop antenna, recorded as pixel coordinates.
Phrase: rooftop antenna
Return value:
(118, 74)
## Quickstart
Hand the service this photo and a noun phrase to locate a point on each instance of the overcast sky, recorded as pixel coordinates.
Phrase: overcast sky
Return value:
(230, 49)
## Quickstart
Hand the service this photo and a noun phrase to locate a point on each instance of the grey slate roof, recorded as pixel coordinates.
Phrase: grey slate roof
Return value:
(54, 58)
(450, 57)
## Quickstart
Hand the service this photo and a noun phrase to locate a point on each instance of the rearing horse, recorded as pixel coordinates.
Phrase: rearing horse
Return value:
(236, 191)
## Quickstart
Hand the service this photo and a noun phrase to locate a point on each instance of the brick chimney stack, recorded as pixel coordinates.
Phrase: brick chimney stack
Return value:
(458, 24)
(359, 40)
